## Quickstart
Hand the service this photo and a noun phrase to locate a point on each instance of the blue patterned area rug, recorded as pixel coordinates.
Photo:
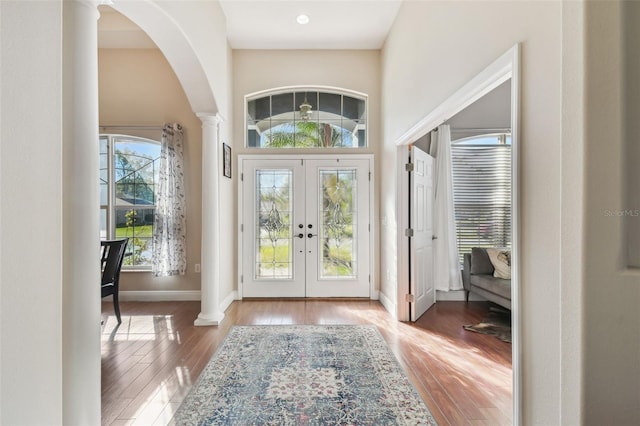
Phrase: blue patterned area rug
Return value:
(303, 375)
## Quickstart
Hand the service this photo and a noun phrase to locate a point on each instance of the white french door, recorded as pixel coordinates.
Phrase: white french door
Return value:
(305, 227)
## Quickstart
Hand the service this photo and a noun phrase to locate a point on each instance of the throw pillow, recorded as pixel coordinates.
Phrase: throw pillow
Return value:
(480, 262)
(501, 261)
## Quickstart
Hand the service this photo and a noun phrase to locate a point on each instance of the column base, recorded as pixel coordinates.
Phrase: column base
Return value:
(208, 320)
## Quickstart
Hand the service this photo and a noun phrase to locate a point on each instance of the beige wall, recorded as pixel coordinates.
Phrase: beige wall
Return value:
(138, 87)
(359, 70)
(434, 48)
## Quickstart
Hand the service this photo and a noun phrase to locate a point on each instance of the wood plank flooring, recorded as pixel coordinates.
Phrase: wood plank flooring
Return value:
(151, 360)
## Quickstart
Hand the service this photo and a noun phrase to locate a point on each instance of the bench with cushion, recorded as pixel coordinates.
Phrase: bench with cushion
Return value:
(478, 276)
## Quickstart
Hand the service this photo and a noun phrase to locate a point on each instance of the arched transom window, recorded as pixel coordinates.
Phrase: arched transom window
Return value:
(306, 118)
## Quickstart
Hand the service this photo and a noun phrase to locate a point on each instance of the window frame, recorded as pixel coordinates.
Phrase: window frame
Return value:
(319, 90)
(111, 207)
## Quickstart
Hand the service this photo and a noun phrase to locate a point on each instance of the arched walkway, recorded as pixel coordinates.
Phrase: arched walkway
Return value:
(179, 52)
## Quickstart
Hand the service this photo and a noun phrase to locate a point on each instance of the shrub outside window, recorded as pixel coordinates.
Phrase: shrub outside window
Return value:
(306, 118)
(128, 179)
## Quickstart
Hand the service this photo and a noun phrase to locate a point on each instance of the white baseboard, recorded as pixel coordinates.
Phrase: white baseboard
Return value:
(228, 300)
(159, 295)
(388, 304)
(375, 295)
(456, 296)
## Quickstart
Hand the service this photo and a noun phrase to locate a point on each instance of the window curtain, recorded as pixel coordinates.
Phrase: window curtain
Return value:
(446, 264)
(169, 230)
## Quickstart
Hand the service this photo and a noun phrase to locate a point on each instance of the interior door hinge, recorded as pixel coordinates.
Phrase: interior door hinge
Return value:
(241, 177)
(408, 167)
(410, 298)
(369, 277)
(241, 227)
(241, 278)
(408, 232)
(369, 176)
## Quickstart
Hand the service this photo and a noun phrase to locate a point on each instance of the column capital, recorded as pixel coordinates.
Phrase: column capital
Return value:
(210, 118)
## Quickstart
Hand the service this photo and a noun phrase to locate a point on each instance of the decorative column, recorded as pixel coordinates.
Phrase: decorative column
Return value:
(210, 313)
(80, 215)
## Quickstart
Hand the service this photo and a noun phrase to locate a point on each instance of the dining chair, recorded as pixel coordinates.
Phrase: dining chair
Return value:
(113, 253)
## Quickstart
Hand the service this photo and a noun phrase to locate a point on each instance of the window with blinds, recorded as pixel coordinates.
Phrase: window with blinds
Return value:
(482, 192)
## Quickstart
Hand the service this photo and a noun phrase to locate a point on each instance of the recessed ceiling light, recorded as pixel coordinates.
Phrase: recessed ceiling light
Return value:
(302, 19)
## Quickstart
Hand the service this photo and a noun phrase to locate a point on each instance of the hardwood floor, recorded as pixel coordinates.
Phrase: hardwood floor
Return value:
(152, 359)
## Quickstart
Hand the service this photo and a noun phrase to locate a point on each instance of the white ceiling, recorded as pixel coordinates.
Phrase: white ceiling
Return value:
(333, 24)
(271, 24)
(492, 111)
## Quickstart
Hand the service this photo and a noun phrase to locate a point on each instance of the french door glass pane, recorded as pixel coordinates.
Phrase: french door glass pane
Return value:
(274, 230)
(338, 220)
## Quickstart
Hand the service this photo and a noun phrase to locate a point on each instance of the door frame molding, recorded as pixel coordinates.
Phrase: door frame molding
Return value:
(373, 292)
(505, 67)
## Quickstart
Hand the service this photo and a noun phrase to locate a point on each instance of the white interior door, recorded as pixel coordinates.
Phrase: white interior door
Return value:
(305, 228)
(421, 222)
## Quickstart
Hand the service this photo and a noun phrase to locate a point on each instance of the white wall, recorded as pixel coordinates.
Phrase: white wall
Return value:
(436, 47)
(31, 212)
(572, 228)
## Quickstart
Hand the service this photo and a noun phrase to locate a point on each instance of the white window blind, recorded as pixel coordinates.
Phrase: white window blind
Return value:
(482, 195)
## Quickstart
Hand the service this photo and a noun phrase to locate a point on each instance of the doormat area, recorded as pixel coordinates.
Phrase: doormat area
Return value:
(303, 375)
(497, 323)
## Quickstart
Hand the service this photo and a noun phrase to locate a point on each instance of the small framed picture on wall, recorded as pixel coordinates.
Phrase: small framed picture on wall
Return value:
(226, 160)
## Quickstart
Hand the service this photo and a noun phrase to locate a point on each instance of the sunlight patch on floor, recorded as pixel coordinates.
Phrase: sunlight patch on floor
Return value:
(139, 327)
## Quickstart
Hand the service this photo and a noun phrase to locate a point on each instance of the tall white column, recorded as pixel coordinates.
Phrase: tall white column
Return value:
(80, 215)
(210, 313)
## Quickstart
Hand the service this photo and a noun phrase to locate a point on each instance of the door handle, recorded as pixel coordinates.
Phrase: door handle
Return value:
(300, 235)
(433, 237)
(309, 235)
